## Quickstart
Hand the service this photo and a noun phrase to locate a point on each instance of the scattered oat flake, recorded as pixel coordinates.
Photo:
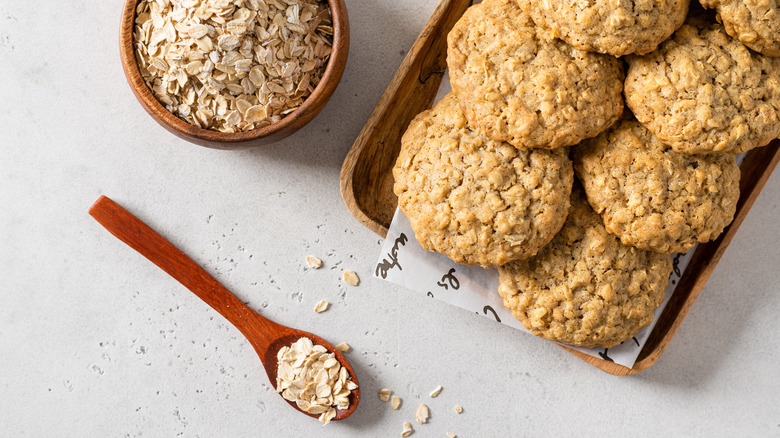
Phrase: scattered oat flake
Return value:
(458, 409)
(407, 429)
(384, 394)
(436, 391)
(321, 306)
(351, 278)
(451, 435)
(343, 347)
(422, 414)
(395, 403)
(313, 262)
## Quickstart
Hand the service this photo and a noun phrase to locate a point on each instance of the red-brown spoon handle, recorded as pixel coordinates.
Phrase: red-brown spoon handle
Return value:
(139, 236)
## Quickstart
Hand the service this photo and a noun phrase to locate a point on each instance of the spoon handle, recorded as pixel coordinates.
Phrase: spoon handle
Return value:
(139, 236)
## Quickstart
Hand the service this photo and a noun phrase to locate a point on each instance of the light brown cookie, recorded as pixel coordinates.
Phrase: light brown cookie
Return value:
(516, 83)
(475, 200)
(606, 26)
(703, 91)
(585, 288)
(756, 23)
(652, 197)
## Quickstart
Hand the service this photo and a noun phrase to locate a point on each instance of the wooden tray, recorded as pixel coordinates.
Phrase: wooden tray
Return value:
(366, 181)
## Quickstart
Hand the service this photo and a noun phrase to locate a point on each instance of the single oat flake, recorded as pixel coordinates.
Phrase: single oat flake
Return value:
(343, 347)
(451, 435)
(436, 391)
(321, 306)
(351, 278)
(232, 65)
(395, 403)
(422, 414)
(458, 409)
(384, 394)
(313, 262)
(407, 430)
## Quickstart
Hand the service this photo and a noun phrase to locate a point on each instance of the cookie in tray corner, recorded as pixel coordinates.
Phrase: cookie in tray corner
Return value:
(703, 91)
(652, 197)
(755, 23)
(517, 83)
(585, 288)
(607, 26)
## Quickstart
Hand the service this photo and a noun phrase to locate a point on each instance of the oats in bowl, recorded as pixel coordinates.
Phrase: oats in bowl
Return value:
(232, 65)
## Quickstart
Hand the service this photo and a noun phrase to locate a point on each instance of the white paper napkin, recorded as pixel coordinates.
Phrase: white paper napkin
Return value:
(404, 262)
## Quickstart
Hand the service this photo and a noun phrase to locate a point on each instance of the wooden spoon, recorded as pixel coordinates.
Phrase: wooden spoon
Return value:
(266, 336)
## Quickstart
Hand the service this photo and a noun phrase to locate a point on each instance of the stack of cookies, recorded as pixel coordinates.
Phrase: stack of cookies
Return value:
(487, 177)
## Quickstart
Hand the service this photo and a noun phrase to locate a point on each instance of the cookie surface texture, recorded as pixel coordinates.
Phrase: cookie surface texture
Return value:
(652, 197)
(703, 91)
(756, 23)
(516, 83)
(607, 26)
(478, 201)
(585, 288)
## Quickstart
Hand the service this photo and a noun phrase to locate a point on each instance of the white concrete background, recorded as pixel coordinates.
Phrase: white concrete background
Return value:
(95, 341)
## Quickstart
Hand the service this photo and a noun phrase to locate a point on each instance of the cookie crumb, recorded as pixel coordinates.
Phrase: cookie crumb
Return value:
(351, 278)
(343, 347)
(395, 403)
(436, 391)
(422, 414)
(321, 306)
(407, 429)
(384, 394)
(313, 262)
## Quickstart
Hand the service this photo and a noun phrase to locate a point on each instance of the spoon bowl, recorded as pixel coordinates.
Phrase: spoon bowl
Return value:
(266, 336)
(285, 341)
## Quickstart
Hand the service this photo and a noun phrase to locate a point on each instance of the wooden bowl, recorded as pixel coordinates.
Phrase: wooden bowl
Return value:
(239, 140)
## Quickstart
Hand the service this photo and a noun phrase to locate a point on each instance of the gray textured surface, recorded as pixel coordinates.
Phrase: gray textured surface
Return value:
(96, 341)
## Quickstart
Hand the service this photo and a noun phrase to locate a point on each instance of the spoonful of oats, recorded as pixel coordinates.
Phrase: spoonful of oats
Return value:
(311, 374)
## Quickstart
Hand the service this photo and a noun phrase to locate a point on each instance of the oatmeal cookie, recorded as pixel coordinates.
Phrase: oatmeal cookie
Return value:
(703, 91)
(607, 26)
(475, 200)
(519, 84)
(652, 197)
(585, 288)
(756, 23)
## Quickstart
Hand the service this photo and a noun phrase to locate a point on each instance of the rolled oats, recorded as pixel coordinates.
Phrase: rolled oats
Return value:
(232, 65)
(312, 261)
(395, 402)
(313, 379)
(436, 391)
(407, 430)
(384, 394)
(422, 414)
(343, 347)
(351, 278)
(321, 306)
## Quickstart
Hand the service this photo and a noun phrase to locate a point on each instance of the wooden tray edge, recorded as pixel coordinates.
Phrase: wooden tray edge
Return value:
(426, 77)
(757, 167)
(702, 264)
